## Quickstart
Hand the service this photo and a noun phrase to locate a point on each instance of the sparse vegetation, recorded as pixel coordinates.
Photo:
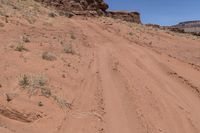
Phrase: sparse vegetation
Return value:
(36, 81)
(68, 49)
(35, 84)
(39, 81)
(24, 81)
(52, 14)
(46, 92)
(48, 56)
(20, 47)
(62, 102)
(32, 83)
(26, 39)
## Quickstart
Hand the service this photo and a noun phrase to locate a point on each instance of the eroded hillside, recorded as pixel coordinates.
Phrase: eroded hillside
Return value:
(94, 75)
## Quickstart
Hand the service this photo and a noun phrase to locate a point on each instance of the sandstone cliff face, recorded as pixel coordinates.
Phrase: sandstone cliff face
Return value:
(99, 6)
(188, 24)
(92, 8)
(126, 16)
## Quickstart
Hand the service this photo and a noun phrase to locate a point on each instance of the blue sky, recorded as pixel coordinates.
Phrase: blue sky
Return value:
(163, 12)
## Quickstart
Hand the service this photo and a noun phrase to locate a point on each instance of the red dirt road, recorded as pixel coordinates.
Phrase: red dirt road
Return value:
(123, 78)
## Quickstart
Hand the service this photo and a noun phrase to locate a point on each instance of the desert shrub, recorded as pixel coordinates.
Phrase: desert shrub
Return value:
(62, 102)
(48, 56)
(52, 14)
(32, 83)
(35, 81)
(35, 84)
(38, 81)
(24, 81)
(68, 49)
(46, 92)
(20, 47)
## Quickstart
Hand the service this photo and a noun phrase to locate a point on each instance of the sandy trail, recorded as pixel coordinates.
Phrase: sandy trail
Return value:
(145, 91)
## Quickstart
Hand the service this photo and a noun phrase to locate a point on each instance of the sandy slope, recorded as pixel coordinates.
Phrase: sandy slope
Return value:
(123, 78)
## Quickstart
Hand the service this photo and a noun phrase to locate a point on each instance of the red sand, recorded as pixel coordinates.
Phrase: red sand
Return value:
(122, 78)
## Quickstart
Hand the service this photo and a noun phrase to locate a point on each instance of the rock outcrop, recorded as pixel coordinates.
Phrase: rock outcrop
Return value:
(126, 16)
(91, 8)
(85, 6)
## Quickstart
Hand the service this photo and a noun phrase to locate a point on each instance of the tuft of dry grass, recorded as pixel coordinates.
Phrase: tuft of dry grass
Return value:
(52, 15)
(35, 84)
(48, 56)
(20, 47)
(68, 49)
(32, 83)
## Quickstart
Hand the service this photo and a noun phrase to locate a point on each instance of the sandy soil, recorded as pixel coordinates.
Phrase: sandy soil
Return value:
(118, 78)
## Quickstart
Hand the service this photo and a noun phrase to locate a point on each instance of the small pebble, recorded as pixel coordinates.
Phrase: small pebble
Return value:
(40, 104)
(63, 76)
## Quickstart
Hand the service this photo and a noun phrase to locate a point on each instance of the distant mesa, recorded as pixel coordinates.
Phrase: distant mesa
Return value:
(91, 8)
(189, 27)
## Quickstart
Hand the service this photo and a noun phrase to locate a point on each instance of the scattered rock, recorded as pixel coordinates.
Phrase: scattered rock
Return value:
(19, 116)
(63, 76)
(2, 24)
(10, 96)
(40, 104)
(48, 56)
(26, 39)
